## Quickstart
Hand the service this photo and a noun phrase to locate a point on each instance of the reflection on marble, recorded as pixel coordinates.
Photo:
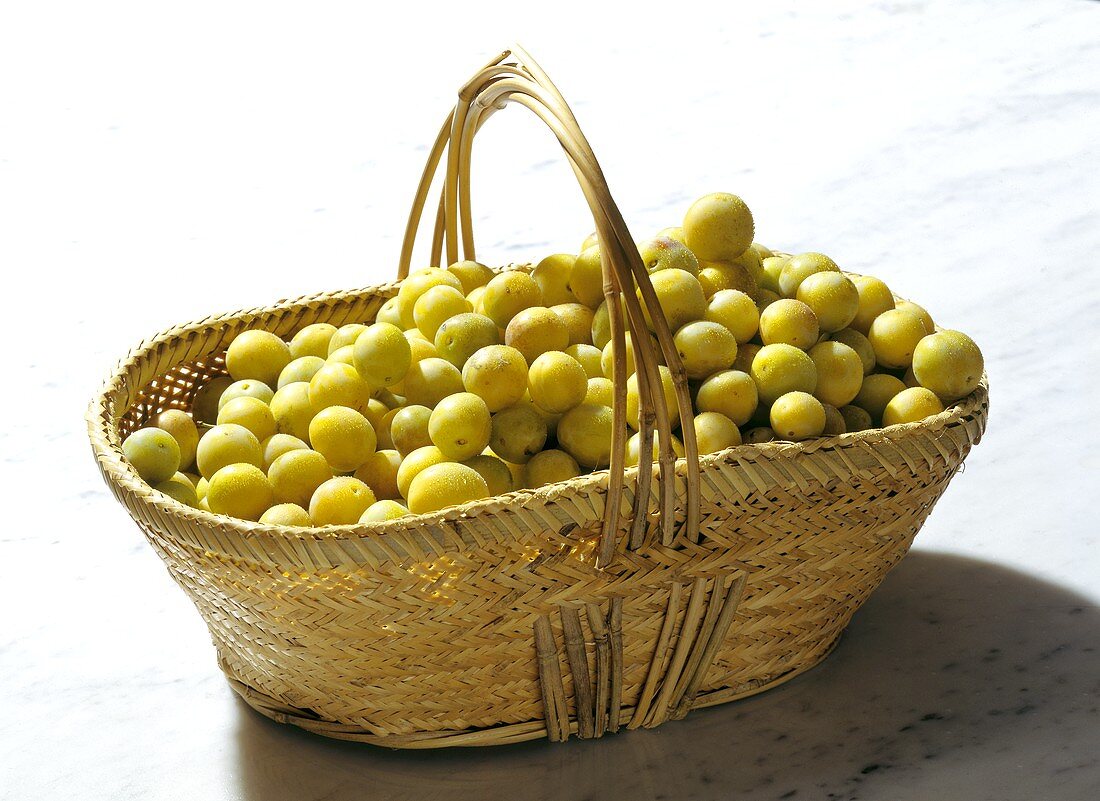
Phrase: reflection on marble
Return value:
(952, 671)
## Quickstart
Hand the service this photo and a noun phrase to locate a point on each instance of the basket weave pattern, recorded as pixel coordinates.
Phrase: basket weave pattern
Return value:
(421, 632)
(623, 598)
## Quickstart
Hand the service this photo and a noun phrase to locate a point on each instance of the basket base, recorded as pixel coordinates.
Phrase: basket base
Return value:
(497, 735)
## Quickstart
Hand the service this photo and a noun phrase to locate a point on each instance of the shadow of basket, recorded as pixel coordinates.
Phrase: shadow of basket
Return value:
(956, 679)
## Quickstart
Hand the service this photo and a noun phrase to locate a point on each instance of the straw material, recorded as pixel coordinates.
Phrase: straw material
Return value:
(541, 613)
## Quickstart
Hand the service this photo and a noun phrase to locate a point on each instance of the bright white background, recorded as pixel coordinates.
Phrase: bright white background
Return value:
(159, 163)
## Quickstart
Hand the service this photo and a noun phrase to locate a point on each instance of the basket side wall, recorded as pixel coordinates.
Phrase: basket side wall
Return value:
(425, 625)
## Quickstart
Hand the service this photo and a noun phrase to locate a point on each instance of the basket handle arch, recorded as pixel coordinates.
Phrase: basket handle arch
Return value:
(514, 77)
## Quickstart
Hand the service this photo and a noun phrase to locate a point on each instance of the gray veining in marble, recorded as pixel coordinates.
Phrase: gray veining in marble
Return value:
(159, 166)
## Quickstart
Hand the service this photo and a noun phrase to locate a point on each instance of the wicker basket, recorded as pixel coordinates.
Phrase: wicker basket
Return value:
(623, 598)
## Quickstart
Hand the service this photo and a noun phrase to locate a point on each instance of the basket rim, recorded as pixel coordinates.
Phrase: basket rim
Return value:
(117, 472)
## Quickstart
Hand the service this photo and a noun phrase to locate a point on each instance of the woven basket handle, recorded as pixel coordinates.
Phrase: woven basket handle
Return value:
(514, 77)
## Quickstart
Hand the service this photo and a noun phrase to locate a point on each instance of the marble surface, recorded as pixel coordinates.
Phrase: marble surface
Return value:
(159, 165)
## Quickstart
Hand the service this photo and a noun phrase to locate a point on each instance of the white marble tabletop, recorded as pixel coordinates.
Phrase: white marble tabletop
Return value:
(159, 165)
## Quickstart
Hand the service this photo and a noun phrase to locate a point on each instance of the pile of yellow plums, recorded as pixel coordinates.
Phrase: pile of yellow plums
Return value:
(472, 383)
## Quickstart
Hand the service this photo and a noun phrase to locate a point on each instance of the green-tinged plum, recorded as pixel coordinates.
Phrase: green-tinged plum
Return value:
(771, 268)
(680, 296)
(860, 344)
(874, 299)
(382, 355)
(340, 501)
(343, 436)
(460, 426)
(949, 363)
(745, 354)
(153, 453)
(179, 488)
(252, 413)
(586, 278)
(312, 341)
(839, 373)
(705, 348)
(731, 393)
(789, 322)
(736, 311)
(894, 335)
(781, 368)
(755, 436)
(276, 445)
(381, 511)
(600, 391)
(409, 429)
(590, 358)
(607, 358)
(337, 384)
(286, 514)
(415, 285)
(379, 473)
(557, 382)
(763, 251)
(549, 467)
(718, 226)
(601, 325)
(375, 409)
(257, 354)
(444, 485)
(345, 335)
(715, 432)
(248, 388)
(471, 274)
(535, 331)
(302, 368)
(497, 374)
(518, 433)
(834, 422)
(833, 298)
(633, 452)
(585, 432)
(293, 410)
(508, 294)
(463, 335)
(436, 306)
(878, 389)
(413, 463)
(764, 299)
(431, 380)
(552, 275)
(577, 319)
(179, 424)
(345, 354)
(675, 232)
(224, 445)
(474, 297)
(796, 416)
(241, 491)
(717, 276)
(497, 474)
(800, 267)
(666, 253)
(911, 405)
(389, 313)
(920, 311)
(385, 436)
